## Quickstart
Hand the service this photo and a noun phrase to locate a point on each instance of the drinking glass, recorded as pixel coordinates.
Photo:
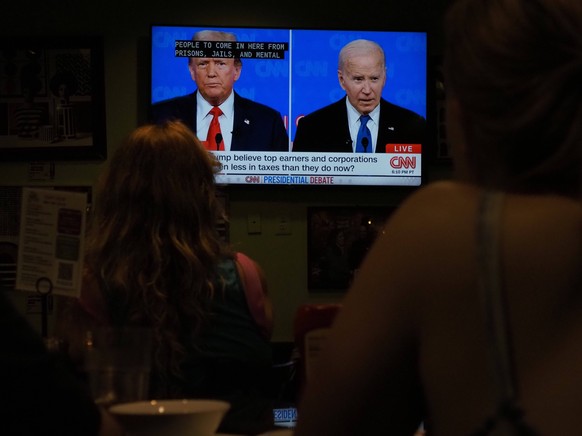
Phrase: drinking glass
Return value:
(118, 364)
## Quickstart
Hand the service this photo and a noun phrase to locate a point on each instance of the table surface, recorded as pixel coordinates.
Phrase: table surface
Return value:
(281, 432)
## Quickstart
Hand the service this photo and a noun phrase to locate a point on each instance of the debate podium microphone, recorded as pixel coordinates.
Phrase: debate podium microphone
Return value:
(218, 139)
(365, 144)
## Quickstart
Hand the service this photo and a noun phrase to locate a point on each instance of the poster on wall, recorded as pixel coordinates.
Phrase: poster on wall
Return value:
(10, 206)
(51, 241)
(52, 99)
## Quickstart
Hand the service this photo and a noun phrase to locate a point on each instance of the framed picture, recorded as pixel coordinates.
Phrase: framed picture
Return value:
(338, 240)
(52, 99)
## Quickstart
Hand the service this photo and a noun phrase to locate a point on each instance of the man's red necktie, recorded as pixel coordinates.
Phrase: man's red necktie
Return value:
(214, 140)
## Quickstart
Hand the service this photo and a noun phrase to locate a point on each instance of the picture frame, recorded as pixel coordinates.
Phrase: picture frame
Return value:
(339, 238)
(52, 99)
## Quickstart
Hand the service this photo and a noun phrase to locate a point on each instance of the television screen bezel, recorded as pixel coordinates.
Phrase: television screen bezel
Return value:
(428, 147)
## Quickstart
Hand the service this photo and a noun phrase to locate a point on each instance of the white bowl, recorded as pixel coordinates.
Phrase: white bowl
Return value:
(170, 417)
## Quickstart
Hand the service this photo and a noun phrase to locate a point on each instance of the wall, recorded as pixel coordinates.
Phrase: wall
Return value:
(125, 27)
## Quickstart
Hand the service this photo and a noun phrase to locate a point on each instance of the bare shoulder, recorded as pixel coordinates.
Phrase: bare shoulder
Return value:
(432, 210)
(442, 192)
(555, 222)
(431, 231)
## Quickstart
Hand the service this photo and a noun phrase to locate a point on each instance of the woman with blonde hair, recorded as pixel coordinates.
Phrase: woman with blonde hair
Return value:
(467, 312)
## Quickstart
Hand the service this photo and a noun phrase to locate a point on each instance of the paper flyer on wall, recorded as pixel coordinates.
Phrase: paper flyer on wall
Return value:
(51, 242)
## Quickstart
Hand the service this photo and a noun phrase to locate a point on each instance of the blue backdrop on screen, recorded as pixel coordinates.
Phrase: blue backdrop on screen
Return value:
(306, 79)
(264, 81)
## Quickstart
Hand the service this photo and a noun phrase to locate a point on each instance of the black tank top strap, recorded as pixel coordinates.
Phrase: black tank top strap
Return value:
(508, 416)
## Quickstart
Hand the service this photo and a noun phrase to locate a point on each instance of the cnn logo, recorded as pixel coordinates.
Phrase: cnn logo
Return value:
(253, 179)
(399, 162)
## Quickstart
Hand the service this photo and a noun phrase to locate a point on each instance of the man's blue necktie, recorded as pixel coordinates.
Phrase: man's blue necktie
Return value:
(364, 140)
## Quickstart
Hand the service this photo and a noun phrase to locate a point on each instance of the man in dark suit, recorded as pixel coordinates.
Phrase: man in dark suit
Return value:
(244, 125)
(362, 121)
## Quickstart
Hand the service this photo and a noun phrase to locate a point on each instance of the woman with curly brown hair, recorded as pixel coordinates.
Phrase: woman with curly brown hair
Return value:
(155, 259)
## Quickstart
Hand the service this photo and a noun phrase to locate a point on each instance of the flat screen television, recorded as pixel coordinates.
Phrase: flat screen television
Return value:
(294, 71)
